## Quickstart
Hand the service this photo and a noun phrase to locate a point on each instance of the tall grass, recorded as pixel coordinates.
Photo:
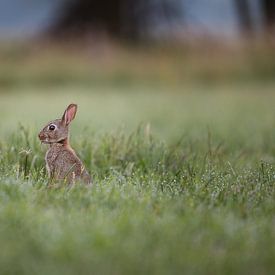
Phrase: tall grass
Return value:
(154, 208)
(185, 185)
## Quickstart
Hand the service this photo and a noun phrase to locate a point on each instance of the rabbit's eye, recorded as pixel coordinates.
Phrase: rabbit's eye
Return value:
(52, 127)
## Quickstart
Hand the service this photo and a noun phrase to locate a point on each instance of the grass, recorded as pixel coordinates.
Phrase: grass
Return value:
(97, 64)
(200, 204)
(183, 175)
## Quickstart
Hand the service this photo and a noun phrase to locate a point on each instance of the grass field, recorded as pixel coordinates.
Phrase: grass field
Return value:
(184, 180)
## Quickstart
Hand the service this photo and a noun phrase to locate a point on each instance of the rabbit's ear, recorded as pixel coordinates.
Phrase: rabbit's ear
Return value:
(69, 114)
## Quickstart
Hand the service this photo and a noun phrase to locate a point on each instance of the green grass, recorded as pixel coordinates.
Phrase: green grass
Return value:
(180, 147)
(96, 64)
(183, 183)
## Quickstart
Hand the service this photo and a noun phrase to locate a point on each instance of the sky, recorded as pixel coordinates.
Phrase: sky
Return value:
(24, 18)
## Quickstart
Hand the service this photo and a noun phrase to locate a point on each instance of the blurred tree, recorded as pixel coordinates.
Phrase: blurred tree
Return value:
(120, 18)
(269, 13)
(246, 19)
(244, 15)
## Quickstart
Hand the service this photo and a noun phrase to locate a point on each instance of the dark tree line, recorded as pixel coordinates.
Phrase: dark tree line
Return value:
(246, 17)
(120, 18)
(269, 13)
(132, 18)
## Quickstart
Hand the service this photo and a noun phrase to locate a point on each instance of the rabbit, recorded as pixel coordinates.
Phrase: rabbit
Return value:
(62, 163)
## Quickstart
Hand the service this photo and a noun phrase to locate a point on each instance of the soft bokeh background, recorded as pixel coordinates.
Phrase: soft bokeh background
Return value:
(159, 62)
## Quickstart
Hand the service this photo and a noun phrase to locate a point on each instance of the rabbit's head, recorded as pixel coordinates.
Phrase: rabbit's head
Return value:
(57, 130)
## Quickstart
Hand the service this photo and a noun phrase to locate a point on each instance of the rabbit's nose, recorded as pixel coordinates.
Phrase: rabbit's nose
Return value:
(40, 135)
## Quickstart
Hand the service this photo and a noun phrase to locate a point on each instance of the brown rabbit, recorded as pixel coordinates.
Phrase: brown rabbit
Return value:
(61, 161)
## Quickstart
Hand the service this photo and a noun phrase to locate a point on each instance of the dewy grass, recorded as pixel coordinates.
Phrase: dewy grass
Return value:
(191, 190)
(155, 208)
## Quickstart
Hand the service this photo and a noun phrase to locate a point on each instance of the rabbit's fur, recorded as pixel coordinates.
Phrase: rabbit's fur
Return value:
(61, 161)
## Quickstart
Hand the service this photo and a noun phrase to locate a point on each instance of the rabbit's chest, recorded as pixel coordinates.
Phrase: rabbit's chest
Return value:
(50, 159)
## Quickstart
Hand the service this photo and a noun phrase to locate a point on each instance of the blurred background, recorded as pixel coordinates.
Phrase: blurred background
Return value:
(132, 20)
(171, 64)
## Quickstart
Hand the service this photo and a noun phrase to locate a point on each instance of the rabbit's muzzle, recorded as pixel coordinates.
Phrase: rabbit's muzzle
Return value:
(42, 136)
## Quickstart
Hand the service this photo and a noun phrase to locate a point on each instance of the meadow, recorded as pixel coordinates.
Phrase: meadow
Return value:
(183, 171)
